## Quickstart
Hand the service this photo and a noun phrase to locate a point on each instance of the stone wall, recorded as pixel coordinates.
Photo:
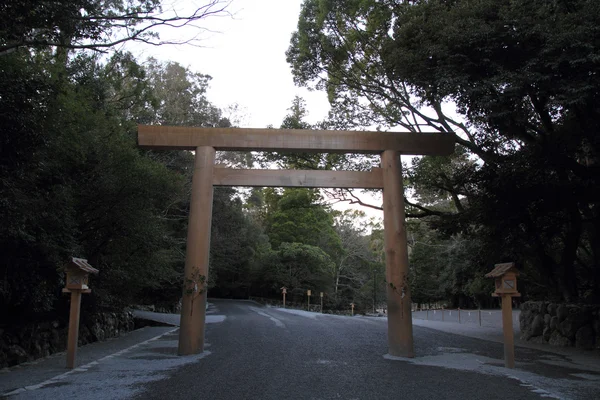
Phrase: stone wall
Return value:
(20, 344)
(561, 324)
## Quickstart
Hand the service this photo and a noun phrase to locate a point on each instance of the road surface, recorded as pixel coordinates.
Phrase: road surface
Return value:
(254, 352)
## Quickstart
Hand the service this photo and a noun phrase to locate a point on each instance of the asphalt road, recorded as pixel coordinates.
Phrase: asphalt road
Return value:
(265, 353)
(254, 352)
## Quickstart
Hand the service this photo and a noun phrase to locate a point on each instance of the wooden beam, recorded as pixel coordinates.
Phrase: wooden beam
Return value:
(298, 178)
(294, 140)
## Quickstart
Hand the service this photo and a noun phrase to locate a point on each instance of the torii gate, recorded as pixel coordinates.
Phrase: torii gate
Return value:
(205, 141)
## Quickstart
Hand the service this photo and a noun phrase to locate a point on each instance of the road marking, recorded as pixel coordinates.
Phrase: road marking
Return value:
(82, 368)
(272, 318)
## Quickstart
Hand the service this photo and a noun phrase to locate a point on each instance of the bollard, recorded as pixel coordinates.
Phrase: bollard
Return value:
(459, 315)
(442, 314)
(479, 316)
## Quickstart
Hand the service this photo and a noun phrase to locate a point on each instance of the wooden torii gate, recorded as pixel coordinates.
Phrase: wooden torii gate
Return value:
(205, 141)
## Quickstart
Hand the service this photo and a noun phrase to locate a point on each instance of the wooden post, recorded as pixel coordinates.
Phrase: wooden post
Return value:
(442, 313)
(459, 315)
(400, 335)
(479, 315)
(352, 305)
(507, 327)
(428, 314)
(193, 308)
(321, 302)
(73, 328)
(283, 299)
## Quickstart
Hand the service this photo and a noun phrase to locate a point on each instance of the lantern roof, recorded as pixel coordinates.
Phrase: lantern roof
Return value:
(501, 269)
(82, 265)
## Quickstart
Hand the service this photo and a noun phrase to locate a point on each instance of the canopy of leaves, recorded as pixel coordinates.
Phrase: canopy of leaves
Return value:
(522, 77)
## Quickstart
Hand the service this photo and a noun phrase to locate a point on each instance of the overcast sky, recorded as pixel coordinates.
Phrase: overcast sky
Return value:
(245, 55)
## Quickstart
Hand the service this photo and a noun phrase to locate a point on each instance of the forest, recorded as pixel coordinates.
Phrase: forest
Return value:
(515, 82)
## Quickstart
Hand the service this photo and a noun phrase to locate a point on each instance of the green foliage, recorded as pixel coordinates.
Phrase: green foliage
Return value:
(302, 265)
(235, 242)
(74, 183)
(522, 76)
(295, 120)
(299, 219)
(82, 188)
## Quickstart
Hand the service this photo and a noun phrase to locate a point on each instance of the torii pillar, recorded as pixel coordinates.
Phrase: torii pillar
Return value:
(193, 306)
(400, 334)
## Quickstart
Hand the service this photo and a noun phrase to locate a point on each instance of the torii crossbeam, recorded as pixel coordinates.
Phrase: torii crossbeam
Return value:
(205, 141)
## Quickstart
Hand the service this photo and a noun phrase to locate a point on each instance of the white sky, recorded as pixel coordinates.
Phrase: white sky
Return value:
(245, 55)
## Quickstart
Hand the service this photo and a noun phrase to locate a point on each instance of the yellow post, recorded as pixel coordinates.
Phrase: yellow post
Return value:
(73, 328)
(400, 334)
(193, 307)
(507, 327)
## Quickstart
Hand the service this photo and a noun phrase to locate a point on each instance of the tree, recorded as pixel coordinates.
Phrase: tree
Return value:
(296, 120)
(234, 242)
(93, 24)
(300, 219)
(521, 75)
(354, 250)
(78, 187)
(181, 96)
(302, 266)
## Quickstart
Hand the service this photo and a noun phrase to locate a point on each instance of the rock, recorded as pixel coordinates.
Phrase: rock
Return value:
(526, 319)
(554, 323)
(556, 339)
(547, 319)
(15, 355)
(577, 313)
(526, 306)
(98, 333)
(552, 309)
(597, 333)
(542, 308)
(537, 327)
(537, 340)
(568, 329)
(547, 333)
(584, 338)
(562, 312)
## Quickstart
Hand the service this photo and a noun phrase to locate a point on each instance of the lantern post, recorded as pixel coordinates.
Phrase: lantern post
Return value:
(78, 271)
(505, 276)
